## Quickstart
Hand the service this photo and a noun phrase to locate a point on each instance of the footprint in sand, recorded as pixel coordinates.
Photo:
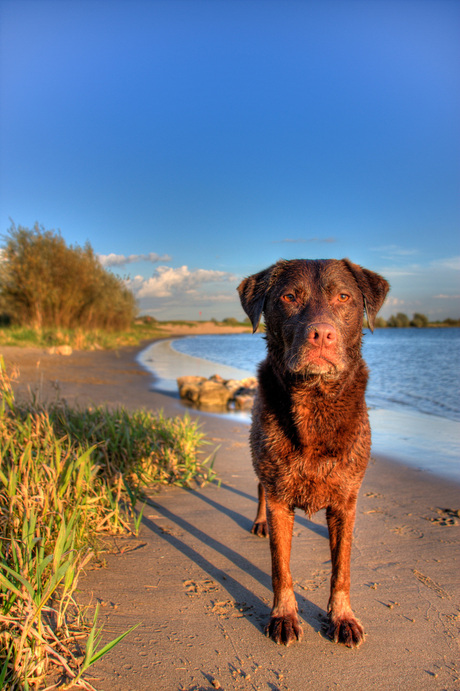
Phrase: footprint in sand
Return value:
(199, 587)
(445, 517)
(406, 531)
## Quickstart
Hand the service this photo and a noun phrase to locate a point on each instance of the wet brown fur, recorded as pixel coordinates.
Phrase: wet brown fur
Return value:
(310, 436)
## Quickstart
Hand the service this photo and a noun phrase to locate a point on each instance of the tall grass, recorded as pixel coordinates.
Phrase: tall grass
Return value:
(79, 339)
(68, 476)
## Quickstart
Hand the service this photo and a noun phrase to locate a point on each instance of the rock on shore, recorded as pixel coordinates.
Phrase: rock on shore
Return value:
(216, 393)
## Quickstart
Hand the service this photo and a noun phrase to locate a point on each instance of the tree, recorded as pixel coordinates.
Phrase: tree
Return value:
(45, 283)
(401, 320)
(419, 320)
(380, 323)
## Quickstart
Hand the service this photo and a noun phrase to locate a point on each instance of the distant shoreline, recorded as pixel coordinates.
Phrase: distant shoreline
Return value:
(202, 328)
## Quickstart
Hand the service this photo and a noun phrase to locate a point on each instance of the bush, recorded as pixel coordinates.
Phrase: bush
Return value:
(401, 320)
(419, 320)
(380, 323)
(45, 283)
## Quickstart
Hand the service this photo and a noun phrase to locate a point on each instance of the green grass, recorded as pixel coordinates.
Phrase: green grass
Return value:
(67, 477)
(92, 339)
(79, 339)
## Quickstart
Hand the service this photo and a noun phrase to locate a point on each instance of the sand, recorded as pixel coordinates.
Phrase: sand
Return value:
(199, 583)
(195, 328)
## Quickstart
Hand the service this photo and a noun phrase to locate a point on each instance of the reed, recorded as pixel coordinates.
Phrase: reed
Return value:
(67, 477)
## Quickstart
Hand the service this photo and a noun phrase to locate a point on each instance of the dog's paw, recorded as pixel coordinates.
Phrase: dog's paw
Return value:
(260, 528)
(284, 630)
(347, 630)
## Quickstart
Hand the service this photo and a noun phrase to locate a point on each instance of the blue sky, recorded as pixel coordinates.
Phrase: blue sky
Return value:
(194, 142)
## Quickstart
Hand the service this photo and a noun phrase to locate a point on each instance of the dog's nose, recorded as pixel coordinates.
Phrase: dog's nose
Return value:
(321, 335)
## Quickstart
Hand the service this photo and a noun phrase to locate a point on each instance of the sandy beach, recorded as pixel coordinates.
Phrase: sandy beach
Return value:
(199, 583)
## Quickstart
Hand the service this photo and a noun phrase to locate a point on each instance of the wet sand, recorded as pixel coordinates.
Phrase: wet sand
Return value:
(199, 582)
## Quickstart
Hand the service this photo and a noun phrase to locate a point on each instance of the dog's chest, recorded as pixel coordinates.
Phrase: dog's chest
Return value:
(308, 478)
(317, 459)
(312, 483)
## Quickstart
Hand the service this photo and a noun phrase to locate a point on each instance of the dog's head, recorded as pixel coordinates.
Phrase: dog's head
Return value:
(313, 311)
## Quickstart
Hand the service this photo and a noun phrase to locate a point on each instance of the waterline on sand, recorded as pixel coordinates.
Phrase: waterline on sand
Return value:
(428, 442)
(167, 364)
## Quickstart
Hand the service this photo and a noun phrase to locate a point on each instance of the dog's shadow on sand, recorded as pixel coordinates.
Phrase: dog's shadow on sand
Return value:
(250, 606)
(247, 524)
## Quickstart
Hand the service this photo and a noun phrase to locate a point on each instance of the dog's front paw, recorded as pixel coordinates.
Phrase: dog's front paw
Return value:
(284, 629)
(347, 630)
(260, 528)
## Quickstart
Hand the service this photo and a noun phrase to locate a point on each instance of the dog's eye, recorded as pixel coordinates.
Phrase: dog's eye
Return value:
(343, 297)
(289, 297)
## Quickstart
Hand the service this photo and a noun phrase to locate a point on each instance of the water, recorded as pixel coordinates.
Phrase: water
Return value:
(413, 392)
(417, 369)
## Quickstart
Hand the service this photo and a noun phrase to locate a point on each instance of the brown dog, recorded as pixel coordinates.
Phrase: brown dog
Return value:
(310, 435)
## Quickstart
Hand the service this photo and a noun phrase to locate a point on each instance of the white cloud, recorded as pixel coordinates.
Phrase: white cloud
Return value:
(453, 263)
(395, 251)
(221, 298)
(390, 273)
(431, 287)
(394, 302)
(122, 259)
(167, 281)
(438, 266)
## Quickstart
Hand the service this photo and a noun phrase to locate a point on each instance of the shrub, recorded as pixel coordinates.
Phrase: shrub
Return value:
(401, 320)
(45, 283)
(419, 320)
(380, 323)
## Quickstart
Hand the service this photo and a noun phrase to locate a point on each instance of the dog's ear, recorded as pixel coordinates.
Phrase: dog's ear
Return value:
(373, 287)
(252, 291)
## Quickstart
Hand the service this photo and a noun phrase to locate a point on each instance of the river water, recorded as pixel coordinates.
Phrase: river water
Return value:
(413, 391)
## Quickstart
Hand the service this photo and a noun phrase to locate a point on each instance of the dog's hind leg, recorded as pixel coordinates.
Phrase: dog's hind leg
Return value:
(343, 626)
(284, 626)
(260, 526)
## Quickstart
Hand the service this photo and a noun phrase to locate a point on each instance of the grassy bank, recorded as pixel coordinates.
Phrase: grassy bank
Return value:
(80, 339)
(67, 478)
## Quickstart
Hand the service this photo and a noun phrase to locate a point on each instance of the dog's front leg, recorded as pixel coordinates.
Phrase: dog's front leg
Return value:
(343, 626)
(284, 626)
